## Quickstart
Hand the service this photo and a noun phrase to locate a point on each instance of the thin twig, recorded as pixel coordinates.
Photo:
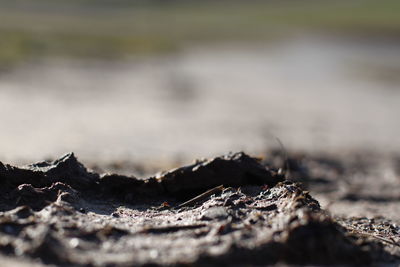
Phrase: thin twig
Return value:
(171, 228)
(376, 236)
(286, 158)
(202, 196)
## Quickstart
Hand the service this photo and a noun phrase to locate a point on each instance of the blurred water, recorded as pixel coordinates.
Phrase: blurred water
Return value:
(313, 93)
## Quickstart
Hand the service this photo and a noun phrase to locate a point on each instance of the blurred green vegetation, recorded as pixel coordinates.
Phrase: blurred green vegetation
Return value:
(117, 29)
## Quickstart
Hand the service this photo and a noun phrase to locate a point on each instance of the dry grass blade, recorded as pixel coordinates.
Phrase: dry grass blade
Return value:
(202, 196)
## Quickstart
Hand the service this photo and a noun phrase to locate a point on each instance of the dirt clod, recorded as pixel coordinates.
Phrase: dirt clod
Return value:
(241, 213)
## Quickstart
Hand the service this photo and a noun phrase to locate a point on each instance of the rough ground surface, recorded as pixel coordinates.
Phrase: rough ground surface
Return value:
(240, 211)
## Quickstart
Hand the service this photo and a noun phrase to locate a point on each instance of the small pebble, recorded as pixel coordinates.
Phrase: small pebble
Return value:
(215, 213)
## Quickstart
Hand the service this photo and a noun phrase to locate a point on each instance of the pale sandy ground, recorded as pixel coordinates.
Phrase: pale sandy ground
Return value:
(13, 262)
(313, 93)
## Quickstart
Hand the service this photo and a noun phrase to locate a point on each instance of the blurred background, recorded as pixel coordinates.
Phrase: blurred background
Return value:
(163, 81)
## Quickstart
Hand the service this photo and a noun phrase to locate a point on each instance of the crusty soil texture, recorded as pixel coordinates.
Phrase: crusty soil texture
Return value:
(230, 210)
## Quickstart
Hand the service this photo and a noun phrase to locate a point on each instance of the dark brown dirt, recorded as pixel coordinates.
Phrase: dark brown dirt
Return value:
(60, 213)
